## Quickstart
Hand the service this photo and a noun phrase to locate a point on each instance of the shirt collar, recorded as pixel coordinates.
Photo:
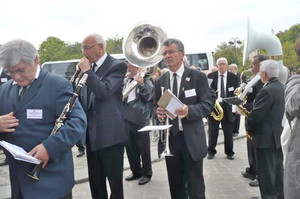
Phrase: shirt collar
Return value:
(224, 75)
(179, 72)
(100, 61)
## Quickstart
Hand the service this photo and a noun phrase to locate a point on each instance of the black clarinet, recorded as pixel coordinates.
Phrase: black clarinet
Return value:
(35, 173)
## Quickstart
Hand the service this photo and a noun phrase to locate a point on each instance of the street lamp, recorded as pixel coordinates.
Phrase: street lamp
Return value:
(235, 42)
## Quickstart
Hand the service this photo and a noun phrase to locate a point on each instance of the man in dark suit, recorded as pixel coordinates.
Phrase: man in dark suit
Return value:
(233, 68)
(264, 123)
(106, 134)
(187, 139)
(225, 83)
(137, 115)
(30, 103)
(3, 78)
(251, 171)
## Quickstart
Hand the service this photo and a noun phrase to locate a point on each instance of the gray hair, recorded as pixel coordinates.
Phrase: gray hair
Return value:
(271, 67)
(99, 39)
(179, 44)
(222, 59)
(12, 52)
(233, 66)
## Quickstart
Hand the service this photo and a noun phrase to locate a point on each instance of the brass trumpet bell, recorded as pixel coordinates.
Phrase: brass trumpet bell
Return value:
(142, 46)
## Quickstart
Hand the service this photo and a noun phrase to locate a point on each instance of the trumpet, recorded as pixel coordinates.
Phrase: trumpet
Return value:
(166, 151)
(35, 173)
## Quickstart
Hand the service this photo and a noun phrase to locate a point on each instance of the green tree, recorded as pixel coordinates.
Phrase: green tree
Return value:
(114, 45)
(53, 49)
(74, 51)
(233, 54)
(288, 40)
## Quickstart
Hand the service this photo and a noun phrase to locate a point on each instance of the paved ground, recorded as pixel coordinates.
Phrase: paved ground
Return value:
(222, 177)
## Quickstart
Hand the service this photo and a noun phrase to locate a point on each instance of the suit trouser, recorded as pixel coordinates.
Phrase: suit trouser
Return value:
(227, 127)
(236, 126)
(138, 150)
(102, 164)
(270, 173)
(184, 174)
(252, 157)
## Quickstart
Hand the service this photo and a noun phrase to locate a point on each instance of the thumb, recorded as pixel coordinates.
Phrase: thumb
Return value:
(33, 151)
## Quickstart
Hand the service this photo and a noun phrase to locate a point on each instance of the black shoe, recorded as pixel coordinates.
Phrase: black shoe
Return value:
(235, 134)
(248, 174)
(210, 156)
(4, 162)
(230, 157)
(80, 153)
(144, 180)
(132, 177)
(254, 183)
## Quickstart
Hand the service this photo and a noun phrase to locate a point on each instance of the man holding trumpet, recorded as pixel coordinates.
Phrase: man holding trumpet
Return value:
(187, 139)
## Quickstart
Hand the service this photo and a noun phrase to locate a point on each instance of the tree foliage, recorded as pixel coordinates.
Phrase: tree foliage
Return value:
(53, 49)
(114, 45)
(233, 54)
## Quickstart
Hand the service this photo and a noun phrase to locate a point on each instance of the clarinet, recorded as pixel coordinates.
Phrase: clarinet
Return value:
(35, 173)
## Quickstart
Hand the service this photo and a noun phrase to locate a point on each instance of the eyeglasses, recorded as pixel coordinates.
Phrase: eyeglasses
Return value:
(86, 47)
(170, 52)
(20, 71)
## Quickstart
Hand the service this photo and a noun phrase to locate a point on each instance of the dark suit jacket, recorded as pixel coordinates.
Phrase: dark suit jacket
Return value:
(199, 107)
(50, 94)
(264, 121)
(106, 126)
(4, 78)
(231, 84)
(251, 95)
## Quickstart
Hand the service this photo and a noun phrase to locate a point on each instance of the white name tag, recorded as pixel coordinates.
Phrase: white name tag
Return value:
(34, 114)
(4, 79)
(190, 93)
(230, 89)
(250, 90)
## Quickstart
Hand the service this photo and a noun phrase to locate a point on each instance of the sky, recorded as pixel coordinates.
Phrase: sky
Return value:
(200, 25)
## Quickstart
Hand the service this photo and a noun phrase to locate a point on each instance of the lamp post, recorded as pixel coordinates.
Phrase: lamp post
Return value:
(235, 42)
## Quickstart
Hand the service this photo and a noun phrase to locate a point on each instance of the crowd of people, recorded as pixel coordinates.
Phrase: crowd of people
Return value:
(106, 119)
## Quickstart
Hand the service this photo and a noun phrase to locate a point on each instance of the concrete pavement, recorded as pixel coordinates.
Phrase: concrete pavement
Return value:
(223, 177)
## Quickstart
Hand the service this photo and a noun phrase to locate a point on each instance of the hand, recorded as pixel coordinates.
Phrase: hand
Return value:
(238, 90)
(41, 153)
(140, 80)
(8, 122)
(161, 114)
(182, 112)
(84, 64)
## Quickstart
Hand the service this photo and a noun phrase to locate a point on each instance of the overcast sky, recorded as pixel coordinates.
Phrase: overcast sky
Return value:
(201, 25)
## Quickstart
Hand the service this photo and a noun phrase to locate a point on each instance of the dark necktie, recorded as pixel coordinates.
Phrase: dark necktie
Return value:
(222, 87)
(174, 122)
(93, 68)
(22, 92)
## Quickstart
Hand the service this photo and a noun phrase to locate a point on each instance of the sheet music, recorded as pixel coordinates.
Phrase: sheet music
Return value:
(19, 153)
(152, 128)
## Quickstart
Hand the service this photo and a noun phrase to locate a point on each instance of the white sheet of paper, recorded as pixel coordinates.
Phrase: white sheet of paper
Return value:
(173, 105)
(152, 128)
(19, 153)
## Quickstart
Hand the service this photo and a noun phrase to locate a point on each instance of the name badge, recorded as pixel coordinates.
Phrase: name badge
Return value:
(34, 114)
(250, 90)
(190, 93)
(230, 89)
(4, 79)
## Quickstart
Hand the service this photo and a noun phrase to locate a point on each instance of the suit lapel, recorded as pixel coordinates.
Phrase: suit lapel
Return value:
(14, 95)
(185, 79)
(32, 90)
